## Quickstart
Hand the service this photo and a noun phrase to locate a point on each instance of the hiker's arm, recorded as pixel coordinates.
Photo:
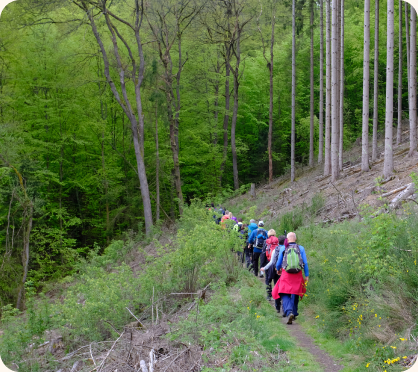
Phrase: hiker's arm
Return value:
(305, 263)
(251, 238)
(279, 260)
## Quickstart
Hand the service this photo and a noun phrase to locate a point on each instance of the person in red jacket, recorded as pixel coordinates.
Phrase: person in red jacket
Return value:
(271, 275)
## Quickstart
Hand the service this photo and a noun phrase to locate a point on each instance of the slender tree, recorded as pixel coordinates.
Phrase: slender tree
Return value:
(270, 137)
(327, 163)
(292, 141)
(341, 116)
(334, 92)
(413, 84)
(311, 129)
(321, 81)
(366, 76)
(137, 76)
(399, 131)
(157, 165)
(407, 43)
(388, 164)
(375, 80)
(168, 23)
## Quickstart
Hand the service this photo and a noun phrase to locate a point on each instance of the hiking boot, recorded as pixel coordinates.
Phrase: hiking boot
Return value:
(261, 276)
(290, 318)
(269, 298)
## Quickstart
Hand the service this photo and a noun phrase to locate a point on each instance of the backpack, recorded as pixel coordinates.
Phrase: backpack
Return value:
(260, 239)
(270, 249)
(292, 259)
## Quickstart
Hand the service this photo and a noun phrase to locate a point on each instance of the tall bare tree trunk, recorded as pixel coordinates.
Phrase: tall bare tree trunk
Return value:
(341, 116)
(399, 132)
(270, 137)
(321, 81)
(388, 164)
(337, 84)
(407, 42)
(235, 111)
(137, 75)
(366, 77)
(311, 129)
(334, 92)
(157, 166)
(227, 104)
(327, 163)
(292, 141)
(413, 84)
(375, 80)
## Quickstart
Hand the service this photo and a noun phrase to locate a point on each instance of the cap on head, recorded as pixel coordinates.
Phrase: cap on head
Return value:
(261, 223)
(252, 221)
(271, 233)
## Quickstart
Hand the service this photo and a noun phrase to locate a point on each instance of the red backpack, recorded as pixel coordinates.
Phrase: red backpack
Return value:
(270, 249)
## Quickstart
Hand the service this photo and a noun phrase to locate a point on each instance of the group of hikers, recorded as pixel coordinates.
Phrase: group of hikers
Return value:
(279, 259)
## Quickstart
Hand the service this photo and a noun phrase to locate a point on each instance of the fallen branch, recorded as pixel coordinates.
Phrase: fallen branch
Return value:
(135, 317)
(410, 189)
(395, 191)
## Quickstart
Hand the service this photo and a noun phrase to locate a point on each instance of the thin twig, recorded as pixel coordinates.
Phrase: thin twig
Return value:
(175, 359)
(108, 353)
(135, 317)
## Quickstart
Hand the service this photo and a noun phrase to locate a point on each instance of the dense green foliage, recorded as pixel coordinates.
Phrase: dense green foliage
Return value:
(63, 131)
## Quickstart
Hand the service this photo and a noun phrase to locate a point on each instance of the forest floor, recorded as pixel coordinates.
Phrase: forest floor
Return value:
(343, 199)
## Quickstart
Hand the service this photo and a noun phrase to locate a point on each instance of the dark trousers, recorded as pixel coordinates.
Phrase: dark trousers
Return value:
(263, 259)
(290, 304)
(256, 257)
(248, 256)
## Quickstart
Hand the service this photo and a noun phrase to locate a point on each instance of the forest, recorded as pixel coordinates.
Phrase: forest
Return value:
(113, 115)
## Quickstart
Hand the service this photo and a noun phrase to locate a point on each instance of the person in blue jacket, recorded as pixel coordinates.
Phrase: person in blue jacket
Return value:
(248, 251)
(252, 241)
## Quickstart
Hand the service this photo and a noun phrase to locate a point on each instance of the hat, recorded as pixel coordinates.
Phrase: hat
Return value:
(260, 223)
(252, 221)
(271, 233)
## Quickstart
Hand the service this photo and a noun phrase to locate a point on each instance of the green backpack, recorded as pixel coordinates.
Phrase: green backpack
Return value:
(292, 260)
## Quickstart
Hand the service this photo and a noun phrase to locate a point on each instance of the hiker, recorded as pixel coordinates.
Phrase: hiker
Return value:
(239, 228)
(248, 251)
(231, 217)
(258, 240)
(292, 260)
(273, 249)
(224, 218)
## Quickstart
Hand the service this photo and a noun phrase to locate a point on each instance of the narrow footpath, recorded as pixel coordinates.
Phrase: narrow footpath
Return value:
(305, 341)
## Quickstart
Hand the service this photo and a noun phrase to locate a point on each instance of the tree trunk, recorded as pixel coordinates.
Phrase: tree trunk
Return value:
(125, 104)
(227, 104)
(157, 166)
(375, 80)
(399, 132)
(25, 253)
(270, 137)
(337, 90)
(327, 164)
(388, 164)
(292, 141)
(413, 84)
(341, 116)
(235, 114)
(334, 91)
(311, 129)
(321, 82)
(366, 73)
